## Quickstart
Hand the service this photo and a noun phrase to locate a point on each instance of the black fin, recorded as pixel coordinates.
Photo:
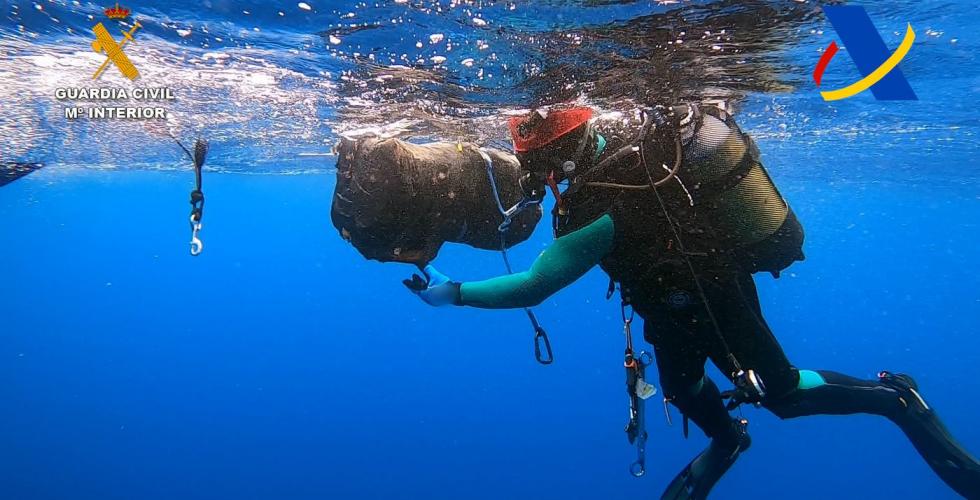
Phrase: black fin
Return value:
(944, 454)
(699, 476)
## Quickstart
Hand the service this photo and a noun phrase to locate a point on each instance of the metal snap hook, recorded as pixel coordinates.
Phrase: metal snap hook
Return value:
(638, 468)
(197, 246)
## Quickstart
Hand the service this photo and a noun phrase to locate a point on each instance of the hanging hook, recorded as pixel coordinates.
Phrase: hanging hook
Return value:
(638, 468)
(197, 213)
(541, 340)
(196, 244)
(197, 196)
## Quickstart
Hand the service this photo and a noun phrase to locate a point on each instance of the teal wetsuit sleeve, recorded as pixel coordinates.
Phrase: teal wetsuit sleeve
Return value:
(563, 262)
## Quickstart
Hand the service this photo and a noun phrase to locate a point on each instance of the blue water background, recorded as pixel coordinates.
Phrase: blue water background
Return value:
(280, 364)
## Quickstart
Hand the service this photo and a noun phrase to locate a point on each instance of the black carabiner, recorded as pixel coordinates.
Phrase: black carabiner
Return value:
(541, 337)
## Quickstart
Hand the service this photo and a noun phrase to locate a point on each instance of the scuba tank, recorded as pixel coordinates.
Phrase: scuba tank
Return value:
(699, 164)
(722, 197)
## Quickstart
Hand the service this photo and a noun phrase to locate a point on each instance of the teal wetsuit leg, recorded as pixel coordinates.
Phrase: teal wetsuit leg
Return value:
(810, 379)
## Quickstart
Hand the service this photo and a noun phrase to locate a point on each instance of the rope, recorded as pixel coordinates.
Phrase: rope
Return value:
(540, 335)
(197, 195)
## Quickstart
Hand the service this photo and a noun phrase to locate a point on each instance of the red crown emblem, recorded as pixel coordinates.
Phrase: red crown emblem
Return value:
(117, 12)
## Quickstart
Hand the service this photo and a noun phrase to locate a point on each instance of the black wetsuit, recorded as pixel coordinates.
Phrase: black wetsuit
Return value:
(645, 260)
(628, 234)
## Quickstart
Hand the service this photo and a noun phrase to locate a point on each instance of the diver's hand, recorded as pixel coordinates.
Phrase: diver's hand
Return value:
(436, 289)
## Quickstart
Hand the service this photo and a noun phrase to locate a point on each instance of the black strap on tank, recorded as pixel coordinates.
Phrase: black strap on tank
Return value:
(542, 345)
(197, 195)
(713, 189)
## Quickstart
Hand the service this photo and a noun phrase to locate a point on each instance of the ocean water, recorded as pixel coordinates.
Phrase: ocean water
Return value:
(281, 364)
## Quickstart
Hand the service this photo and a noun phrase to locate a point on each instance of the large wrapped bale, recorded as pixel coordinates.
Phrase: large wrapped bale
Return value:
(398, 201)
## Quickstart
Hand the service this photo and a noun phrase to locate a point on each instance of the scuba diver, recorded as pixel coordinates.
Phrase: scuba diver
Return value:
(680, 214)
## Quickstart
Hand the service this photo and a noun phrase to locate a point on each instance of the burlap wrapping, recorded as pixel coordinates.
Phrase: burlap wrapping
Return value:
(398, 201)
